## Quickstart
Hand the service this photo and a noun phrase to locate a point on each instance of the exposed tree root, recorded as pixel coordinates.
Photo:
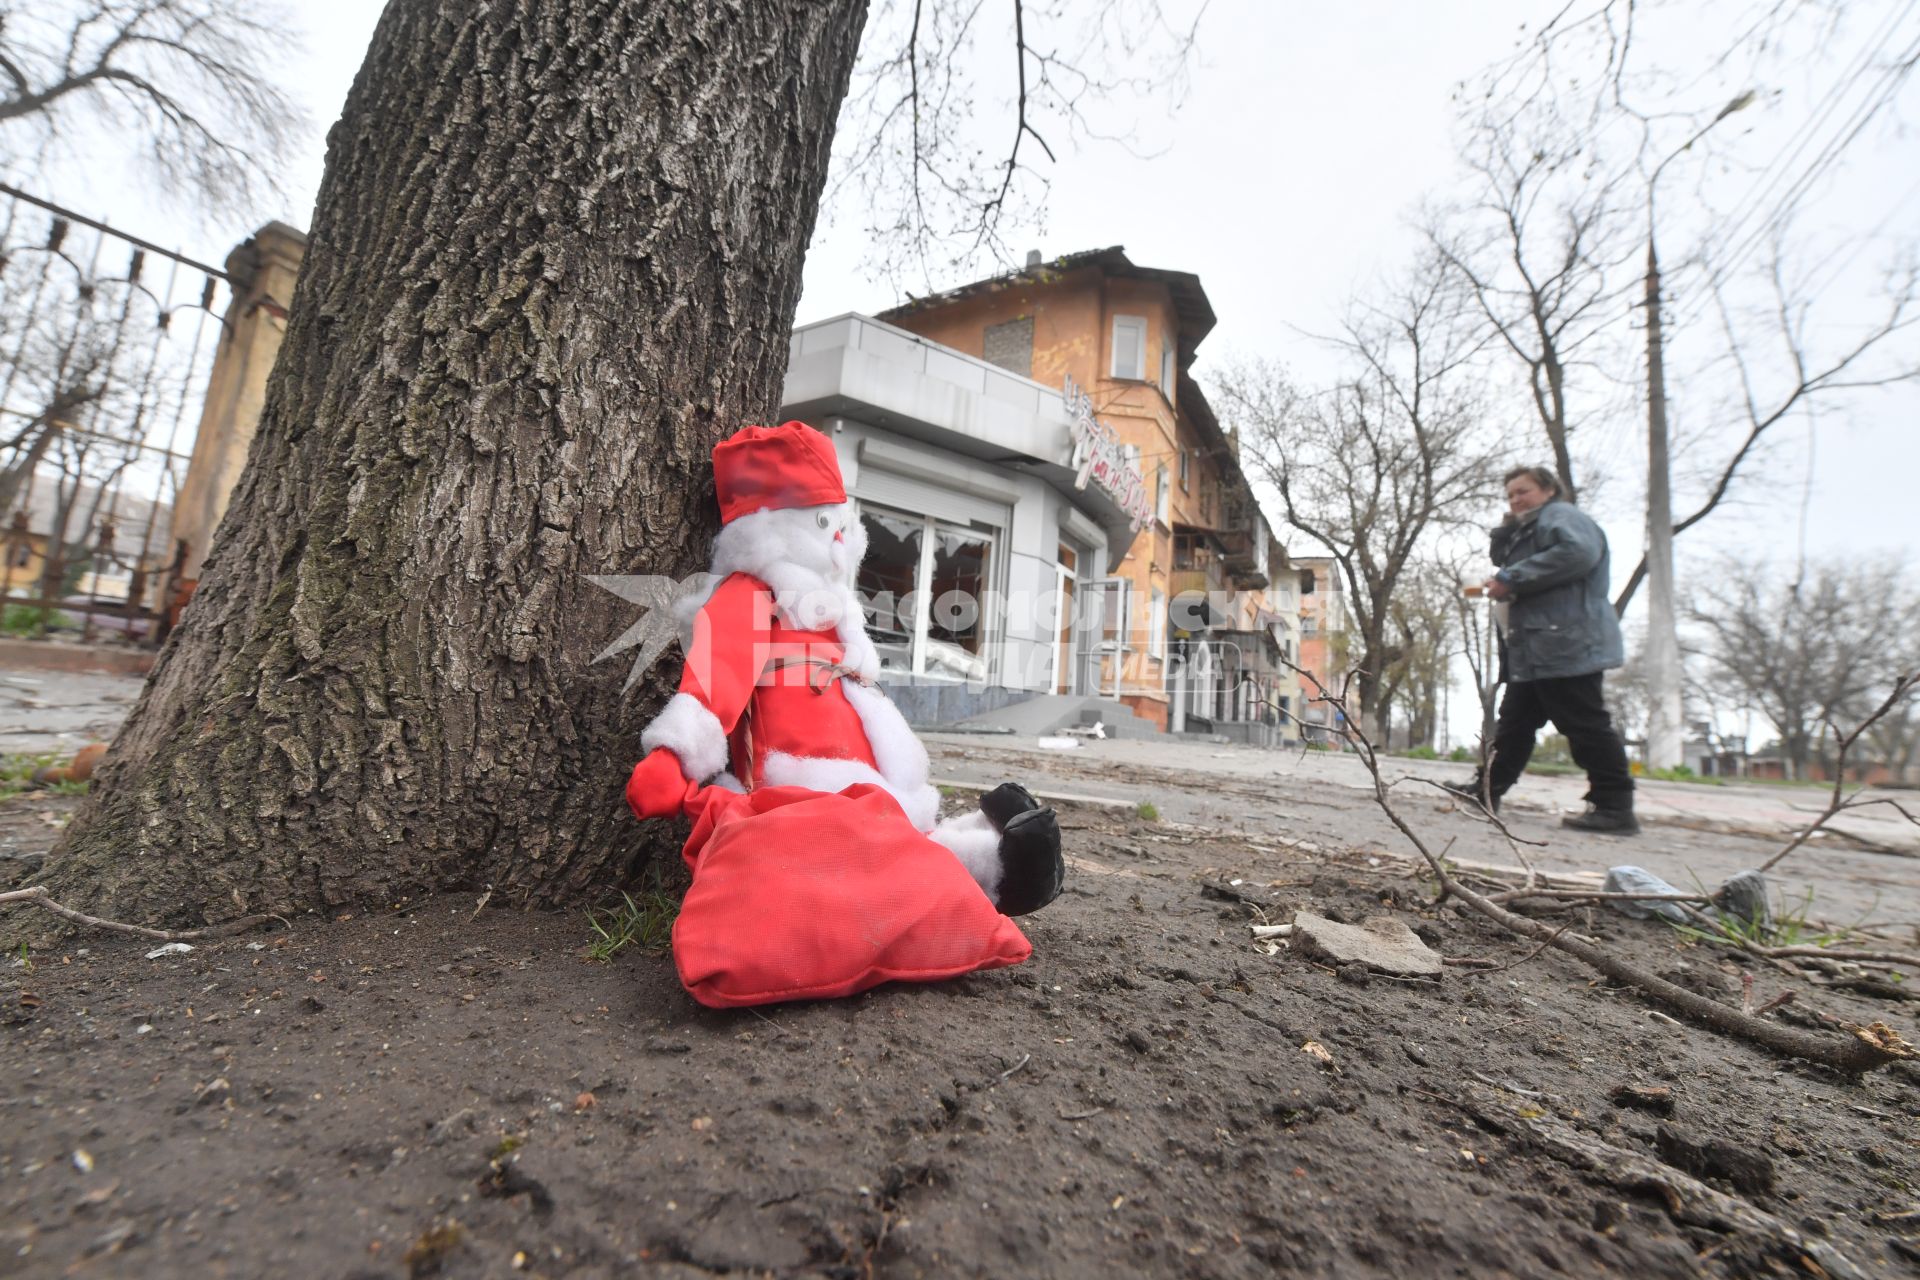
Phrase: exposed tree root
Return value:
(36, 895)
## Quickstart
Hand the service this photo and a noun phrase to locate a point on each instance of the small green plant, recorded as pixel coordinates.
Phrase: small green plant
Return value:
(1423, 752)
(1147, 811)
(16, 771)
(26, 961)
(1460, 755)
(70, 788)
(23, 620)
(1790, 926)
(646, 923)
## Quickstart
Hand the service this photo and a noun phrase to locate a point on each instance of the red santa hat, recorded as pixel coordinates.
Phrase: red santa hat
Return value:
(762, 468)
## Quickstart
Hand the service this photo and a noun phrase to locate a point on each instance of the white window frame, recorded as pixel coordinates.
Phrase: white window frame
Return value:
(990, 635)
(1162, 493)
(1157, 625)
(1166, 370)
(1135, 327)
(1186, 471)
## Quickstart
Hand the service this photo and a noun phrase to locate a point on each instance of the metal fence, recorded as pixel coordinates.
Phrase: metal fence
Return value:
(106, 344)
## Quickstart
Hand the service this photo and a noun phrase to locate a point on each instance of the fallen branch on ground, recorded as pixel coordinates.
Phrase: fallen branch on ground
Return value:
(1829, 953)
(36, 895)
(1864, 1049)
(1595, 895)
(1688, 1199)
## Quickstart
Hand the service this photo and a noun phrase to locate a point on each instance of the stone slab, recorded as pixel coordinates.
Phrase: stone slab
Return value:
(1381, 943)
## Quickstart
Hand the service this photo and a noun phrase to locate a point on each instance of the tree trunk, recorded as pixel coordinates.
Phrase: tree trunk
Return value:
(555, 257)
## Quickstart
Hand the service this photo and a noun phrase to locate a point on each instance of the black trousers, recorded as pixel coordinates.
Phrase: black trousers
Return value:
(1574, 705)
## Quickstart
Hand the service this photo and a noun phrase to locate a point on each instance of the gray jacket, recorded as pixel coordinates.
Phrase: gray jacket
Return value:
(1562, 622)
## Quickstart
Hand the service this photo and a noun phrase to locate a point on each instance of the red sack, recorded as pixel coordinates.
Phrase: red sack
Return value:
(804, 895)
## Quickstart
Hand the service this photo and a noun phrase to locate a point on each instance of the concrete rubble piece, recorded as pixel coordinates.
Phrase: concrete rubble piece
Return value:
(1381, 943)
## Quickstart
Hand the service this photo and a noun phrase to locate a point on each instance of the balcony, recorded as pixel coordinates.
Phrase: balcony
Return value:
(1241, 559)
(1259, 652)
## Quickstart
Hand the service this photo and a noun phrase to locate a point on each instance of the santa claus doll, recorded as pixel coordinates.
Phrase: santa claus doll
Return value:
(821, 866)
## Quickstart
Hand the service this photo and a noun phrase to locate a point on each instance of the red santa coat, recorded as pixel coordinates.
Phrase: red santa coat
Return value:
(818, 881)
(767, 701)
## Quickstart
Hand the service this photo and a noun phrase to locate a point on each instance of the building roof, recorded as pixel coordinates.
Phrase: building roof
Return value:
(1189, 299)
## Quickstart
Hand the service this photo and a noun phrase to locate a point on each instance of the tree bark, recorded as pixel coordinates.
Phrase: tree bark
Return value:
(555, 257)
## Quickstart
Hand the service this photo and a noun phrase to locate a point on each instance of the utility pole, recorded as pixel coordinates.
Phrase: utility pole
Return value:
(1666, 718)
(1666, 743)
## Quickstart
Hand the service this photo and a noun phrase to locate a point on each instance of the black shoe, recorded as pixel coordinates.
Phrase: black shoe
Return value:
(1605, 822)
(1470, 792)
(1005, 803)
(1031, 869)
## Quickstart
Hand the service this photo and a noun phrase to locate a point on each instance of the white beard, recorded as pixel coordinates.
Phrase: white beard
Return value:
(811, 574)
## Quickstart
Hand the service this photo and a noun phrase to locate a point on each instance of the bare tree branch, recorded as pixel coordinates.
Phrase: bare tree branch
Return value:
(1864, 1049)
(193, 82)
(939, 198)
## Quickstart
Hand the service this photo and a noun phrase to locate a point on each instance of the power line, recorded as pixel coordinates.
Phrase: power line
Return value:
(1784, 159)
(1877, 99)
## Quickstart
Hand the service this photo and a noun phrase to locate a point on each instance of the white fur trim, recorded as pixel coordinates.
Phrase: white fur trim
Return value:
(861, 656)
(727, 782)
(901, 756)
(921, 805)
(686, 728)
(788, 550)
(812, 578)
(974, 841)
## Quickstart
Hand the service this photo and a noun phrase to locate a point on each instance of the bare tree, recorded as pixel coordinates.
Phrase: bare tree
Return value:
(1425, 624)
(1558, 144)
(1792, 356)
(1479, 646)
(934, 174)
(1892, 739)
(1539, 245)
(1806, 653)
(81, 356)
(1395, 451)
(191, 83)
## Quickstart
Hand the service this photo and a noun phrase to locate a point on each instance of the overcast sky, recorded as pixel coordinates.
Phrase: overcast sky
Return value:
(1291, 174)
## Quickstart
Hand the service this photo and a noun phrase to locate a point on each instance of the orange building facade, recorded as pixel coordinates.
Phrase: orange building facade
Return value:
(1323, 645)
(1192, 631)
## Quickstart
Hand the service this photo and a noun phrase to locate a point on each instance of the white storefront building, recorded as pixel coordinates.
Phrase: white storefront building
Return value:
(995, 512)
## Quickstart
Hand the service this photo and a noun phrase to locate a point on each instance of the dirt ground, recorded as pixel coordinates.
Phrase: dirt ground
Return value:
(460, 1092)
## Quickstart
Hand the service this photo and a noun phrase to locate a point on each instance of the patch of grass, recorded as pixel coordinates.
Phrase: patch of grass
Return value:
(70, 788)
(947, 792)
(1789, 927)
(24, 620)
(16, 771)
(646, 922)
(1147, 811)
(1551, 770)
(1461, 755)
(1423, 752)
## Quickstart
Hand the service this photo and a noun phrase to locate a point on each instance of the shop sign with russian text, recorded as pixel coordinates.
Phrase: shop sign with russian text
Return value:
(1099, 457)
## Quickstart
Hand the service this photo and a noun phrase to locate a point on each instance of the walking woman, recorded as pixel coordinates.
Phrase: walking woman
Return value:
(1561, 634)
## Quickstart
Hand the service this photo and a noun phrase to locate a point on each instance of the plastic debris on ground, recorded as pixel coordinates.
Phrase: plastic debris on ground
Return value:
(1640, 880)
